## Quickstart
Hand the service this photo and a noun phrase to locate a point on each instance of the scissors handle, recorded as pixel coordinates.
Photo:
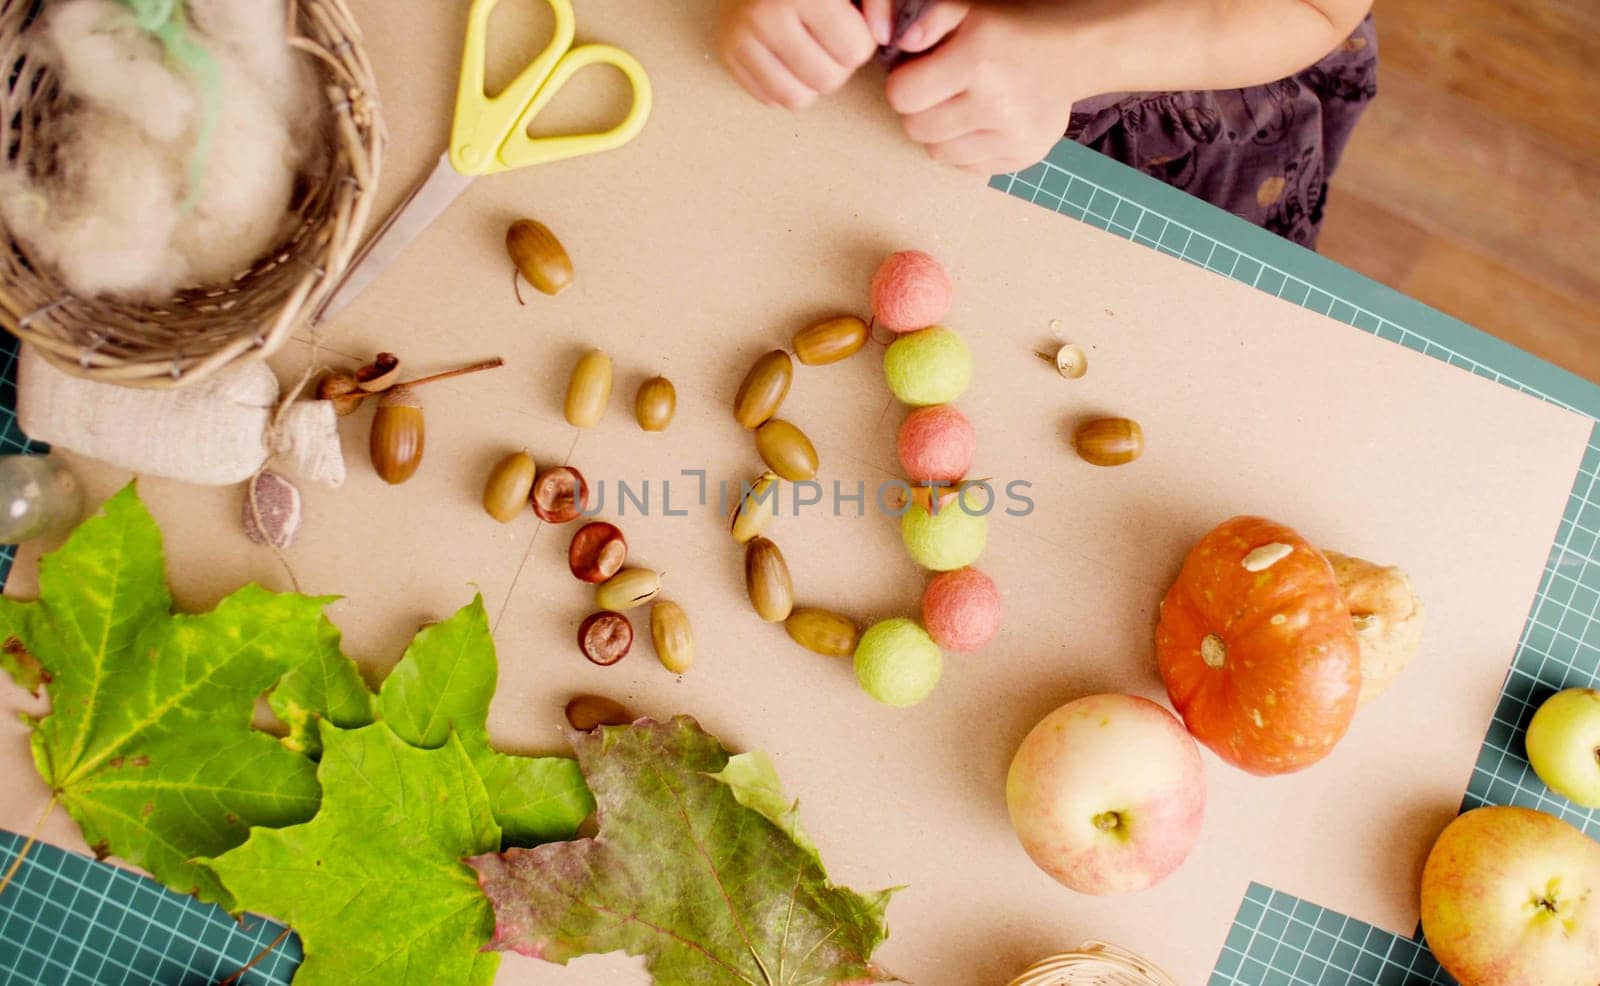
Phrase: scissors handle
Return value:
(521, 150)
(490, 132)
(482, 122)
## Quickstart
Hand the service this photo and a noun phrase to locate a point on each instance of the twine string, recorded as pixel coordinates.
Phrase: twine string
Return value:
(278, 443)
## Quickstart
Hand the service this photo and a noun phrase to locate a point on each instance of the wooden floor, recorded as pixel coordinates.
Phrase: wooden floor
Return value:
(1473, 182)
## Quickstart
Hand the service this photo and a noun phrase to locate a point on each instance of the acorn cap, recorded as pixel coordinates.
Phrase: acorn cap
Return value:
(379, 375)
(400, 397)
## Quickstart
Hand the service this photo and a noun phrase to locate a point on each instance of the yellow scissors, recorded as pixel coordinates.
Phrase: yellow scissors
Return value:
(490, 134)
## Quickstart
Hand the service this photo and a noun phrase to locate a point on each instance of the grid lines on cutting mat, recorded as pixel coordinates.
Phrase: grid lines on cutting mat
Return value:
(1277, 940)
(108, 926)
(70, 921)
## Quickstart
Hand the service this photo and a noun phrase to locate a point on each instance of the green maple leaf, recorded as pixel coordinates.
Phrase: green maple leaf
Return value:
(442, 686)
(685, 872)
(148, 744)
(374, 883)
(327, 686)
(754, 783)
(15, 660)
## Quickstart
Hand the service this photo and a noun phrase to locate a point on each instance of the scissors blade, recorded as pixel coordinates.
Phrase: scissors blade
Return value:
(420, 208)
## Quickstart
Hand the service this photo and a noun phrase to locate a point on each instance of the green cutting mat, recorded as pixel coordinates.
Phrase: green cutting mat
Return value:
(74, 922)
(67, 920)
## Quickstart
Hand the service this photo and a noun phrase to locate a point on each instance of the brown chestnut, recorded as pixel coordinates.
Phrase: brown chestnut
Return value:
(588, 712)
(605, 638)
(559, 495)
(597, 552)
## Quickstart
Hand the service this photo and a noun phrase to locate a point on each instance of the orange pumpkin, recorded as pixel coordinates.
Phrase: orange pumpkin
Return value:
(1257, 649)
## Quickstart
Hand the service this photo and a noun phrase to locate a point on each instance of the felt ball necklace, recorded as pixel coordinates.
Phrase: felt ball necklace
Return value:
(943, 521)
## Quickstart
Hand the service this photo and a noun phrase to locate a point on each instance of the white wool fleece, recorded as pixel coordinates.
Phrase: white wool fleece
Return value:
(116, 212)
(106, 218)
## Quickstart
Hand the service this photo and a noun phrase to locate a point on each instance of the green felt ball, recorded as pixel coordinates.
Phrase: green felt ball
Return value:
(897, 663)
(947, 540)
(932, 366)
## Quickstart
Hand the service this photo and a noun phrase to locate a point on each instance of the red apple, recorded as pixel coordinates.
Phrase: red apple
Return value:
(1107, 794)
(1511, 897)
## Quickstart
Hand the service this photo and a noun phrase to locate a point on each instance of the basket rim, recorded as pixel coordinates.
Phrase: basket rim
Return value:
(1092, 958)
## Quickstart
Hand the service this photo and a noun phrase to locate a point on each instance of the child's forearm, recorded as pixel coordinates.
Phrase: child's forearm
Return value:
(1169, 45)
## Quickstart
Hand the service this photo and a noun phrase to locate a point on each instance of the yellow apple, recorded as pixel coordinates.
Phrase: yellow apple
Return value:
(1107, 794)
(1511, 897)
(1564, 745)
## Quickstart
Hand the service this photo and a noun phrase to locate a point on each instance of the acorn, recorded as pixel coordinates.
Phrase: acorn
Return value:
(655, 404)
(505, 495)
(1109, 441)
(397, 435)
(539, 256)
(588, 390)
(766, 578)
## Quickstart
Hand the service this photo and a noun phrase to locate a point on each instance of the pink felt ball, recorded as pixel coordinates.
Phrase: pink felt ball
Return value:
(936, 443)
(961, 610)
(910, 291)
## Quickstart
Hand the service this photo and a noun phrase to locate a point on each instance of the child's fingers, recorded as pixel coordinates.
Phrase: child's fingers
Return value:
(841, 32)
(925, 82)
(789, 39)
(935, 25)
(880, 19)
(922, 84)
(774, 76)
(969, 149)
(747, 82)
(808, 62)
(946, 121)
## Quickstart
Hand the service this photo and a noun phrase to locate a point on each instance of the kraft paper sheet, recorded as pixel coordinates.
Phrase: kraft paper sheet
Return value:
(709, 240)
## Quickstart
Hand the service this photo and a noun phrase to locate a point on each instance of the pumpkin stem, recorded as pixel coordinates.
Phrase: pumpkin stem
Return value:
(1213, 651)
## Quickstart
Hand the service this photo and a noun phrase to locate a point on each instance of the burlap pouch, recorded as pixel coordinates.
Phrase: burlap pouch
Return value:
(216, 432)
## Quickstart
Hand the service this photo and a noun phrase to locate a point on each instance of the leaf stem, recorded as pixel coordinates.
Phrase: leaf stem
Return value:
(33, 837)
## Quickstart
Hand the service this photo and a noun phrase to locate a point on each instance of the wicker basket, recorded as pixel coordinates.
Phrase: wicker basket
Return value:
(1094, 964)
(198, 332)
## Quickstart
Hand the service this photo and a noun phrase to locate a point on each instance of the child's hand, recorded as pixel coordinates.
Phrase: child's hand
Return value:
(995, 96)
(788, 52)
(935, 22)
